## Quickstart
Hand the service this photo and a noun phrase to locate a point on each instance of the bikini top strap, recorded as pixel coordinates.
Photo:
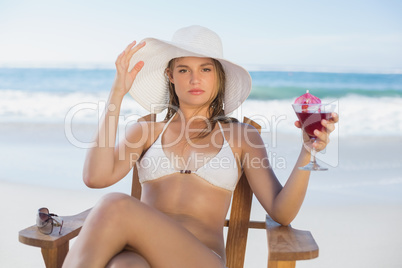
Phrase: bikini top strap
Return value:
(220, 127)
(166, 125)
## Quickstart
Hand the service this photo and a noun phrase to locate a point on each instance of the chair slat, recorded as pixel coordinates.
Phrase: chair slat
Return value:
(251, 224)
(239, 218)
(238, 225)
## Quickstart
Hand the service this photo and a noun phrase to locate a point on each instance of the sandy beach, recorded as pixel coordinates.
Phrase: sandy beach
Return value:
(354, 210)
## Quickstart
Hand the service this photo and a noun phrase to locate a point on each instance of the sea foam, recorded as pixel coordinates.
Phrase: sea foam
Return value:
(359, 115)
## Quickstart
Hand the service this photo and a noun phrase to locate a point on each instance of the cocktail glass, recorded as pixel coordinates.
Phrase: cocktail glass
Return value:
(310, 116)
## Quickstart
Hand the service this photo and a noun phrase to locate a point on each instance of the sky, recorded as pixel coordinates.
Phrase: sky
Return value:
(258, 34)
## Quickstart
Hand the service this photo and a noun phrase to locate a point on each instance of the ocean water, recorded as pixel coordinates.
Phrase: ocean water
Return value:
(368, 104)
(38, 107)
(363, 171)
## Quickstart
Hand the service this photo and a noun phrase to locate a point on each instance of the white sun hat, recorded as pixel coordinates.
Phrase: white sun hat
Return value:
(150, 88)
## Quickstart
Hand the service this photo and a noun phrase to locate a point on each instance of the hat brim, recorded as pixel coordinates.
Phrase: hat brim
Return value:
(150, 88)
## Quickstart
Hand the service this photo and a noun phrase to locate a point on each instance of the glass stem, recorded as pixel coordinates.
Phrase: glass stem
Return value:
(313, 152)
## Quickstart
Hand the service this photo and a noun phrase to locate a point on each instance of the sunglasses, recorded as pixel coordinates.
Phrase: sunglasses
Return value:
(45, 221)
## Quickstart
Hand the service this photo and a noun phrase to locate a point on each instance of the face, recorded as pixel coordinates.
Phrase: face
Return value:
(194, 80)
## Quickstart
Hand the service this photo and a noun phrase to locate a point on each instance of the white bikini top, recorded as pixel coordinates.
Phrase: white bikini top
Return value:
(220, 170)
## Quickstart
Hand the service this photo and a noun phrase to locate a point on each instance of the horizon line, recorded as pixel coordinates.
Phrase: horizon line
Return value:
(248, 67)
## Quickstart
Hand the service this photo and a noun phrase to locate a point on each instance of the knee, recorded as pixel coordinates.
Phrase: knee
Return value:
(116, 201)
(112, 206)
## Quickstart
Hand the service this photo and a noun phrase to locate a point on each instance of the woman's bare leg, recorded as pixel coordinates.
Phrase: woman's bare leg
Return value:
(127, 259)
(120, 220)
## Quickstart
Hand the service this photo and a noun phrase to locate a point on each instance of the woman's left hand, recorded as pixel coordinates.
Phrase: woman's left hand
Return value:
(322, 136)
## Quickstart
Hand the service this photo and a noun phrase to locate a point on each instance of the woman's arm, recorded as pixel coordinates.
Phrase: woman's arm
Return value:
(102, 167)
(281, 203)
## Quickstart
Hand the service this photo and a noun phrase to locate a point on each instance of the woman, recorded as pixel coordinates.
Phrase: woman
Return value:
(188, 164)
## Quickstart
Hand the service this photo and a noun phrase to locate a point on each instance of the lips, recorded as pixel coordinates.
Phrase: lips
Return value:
(196, 91)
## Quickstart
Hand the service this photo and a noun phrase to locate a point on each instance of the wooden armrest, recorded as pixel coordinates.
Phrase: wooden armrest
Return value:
(71, 227)
(288, 244)
(54, 246)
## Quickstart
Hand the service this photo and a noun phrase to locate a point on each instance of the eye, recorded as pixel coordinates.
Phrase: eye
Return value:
(206, 69)
(183, 70)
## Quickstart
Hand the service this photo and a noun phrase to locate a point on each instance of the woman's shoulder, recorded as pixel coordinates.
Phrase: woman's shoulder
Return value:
(146, 126)
(240, 133)
(146, 131)
(238, 127)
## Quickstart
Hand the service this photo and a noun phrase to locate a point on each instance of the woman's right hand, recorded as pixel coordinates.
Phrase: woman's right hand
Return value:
(125, 78)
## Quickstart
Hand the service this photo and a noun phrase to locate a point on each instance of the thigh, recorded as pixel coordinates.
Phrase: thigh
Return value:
(162, 241)
(128, 259)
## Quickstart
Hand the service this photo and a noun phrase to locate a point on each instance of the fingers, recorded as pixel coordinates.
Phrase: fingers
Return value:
(323, 136)
(130, 46)
(123, 60)
(329, 126)
(298, 124)
(137, 67)
(334, 118)
(322, 139)
(131, 49)
(119, 61)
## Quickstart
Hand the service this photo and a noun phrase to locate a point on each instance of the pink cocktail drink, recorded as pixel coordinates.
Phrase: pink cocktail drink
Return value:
(312, 121)
(311, 112)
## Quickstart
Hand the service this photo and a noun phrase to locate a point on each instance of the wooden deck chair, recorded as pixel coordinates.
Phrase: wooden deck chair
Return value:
(285, 244)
